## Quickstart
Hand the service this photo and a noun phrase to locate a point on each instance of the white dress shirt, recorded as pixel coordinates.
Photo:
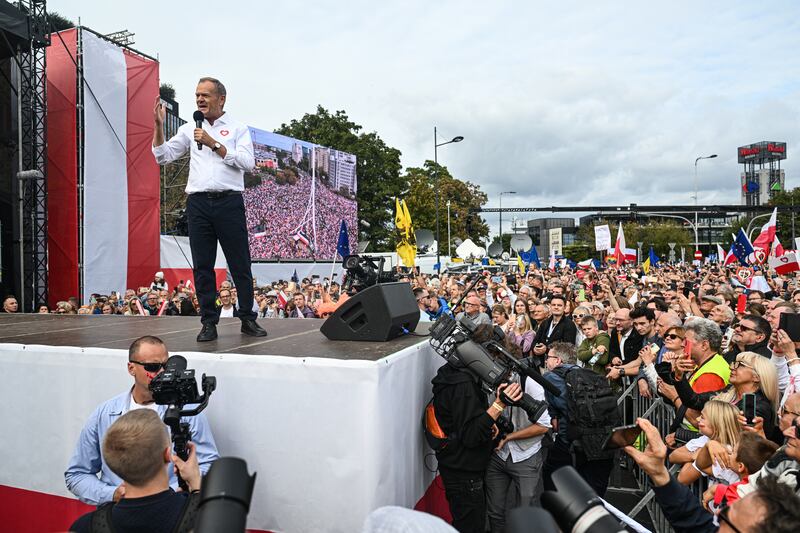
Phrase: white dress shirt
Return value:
(207, 170)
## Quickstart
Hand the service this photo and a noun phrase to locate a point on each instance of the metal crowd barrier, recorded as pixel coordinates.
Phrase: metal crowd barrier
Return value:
(661, 415)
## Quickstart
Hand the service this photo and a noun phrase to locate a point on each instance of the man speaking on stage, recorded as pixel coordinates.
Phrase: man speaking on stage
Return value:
(220, 152)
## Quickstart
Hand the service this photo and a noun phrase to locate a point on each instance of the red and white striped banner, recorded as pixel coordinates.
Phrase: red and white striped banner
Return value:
(120, 178)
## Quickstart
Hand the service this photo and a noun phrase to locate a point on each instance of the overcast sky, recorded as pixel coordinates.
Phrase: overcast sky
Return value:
(566, 103)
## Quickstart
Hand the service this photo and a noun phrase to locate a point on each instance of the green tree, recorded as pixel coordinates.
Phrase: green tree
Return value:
(59, 22)
(463, 195)
(167, 91)
(506, 243)
(580, 251)
(378, 166)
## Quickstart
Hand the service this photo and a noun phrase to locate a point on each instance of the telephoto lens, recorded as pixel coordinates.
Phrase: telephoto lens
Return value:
(576, 507)
(225, 497)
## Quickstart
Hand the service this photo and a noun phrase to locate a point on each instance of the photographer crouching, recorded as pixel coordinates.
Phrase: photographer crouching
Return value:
(466, 417)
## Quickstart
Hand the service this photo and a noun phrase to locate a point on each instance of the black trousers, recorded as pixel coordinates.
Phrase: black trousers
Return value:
(595, 473)
(467, 499)
(212, 219)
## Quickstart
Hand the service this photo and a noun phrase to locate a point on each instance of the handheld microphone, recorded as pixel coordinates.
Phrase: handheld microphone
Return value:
(198, 122)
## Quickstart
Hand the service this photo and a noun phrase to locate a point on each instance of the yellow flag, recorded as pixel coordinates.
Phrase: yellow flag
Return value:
(399, 219)
(521, 265)
(406, 243)
(646, 265)
(407, 219)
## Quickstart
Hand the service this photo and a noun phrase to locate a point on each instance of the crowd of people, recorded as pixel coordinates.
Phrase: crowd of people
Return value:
(716, 352)
(711, 346)
(307, 298)
(275, 212)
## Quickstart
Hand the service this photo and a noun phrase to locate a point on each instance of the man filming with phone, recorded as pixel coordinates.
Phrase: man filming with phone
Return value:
(147, 357)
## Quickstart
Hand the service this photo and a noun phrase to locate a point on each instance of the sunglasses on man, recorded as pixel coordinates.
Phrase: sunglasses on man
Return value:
(150, 367)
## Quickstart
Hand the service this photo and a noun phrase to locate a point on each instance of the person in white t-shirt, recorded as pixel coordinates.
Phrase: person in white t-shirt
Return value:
(226, 309)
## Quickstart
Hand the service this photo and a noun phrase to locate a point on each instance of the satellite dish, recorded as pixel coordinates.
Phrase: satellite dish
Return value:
(425, 237)
(505, 256)
(480, 252)
(495, 249)
(467, 249)
(521, 242)
(425, 240)
(457, 242)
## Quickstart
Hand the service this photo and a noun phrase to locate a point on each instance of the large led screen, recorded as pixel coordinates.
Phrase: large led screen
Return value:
(297, 197)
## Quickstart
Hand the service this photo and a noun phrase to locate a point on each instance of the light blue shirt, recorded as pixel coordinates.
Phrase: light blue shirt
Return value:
(87, 461)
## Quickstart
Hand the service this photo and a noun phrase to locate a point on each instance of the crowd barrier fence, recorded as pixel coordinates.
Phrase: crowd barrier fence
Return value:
(661, 415)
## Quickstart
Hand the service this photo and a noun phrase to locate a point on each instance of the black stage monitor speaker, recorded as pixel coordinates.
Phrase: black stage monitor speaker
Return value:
(378, 313)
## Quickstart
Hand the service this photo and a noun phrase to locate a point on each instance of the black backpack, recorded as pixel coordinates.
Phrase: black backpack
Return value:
(592, 409)
(102, 519)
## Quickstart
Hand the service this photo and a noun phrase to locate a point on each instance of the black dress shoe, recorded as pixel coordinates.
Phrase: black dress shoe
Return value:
(208, 333)
(250, 327)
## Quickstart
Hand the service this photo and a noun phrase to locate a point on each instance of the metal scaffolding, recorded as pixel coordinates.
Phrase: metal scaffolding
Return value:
(32, 131)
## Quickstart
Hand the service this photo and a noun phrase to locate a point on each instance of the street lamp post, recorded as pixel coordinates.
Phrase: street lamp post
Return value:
(712, 156)
(501, 216)
(449, 253)
(436, 146)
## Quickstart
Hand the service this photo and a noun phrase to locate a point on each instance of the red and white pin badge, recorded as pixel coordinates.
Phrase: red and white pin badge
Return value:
(224, 133)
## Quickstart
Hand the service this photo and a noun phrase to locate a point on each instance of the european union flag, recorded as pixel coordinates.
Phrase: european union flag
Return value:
(741, 247)
(343, 246)
(653, 257)
(531, 256)
(295, 277)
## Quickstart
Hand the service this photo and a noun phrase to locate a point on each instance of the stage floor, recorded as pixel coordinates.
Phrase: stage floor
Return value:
(287, 337)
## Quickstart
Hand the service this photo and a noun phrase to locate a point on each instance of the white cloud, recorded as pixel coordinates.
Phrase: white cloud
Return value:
(566, 103)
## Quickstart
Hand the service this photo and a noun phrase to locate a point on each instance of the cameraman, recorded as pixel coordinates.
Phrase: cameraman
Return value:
(137, 448)
(146, 359)
(463, 412)
(516, 465)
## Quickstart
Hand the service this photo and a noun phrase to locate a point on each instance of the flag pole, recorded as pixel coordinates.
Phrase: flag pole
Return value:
(333, 267)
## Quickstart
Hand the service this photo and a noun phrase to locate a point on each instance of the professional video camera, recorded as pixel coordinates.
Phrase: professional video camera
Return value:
(453, 340)
(575, 507)
(363, 271)
(176, 387)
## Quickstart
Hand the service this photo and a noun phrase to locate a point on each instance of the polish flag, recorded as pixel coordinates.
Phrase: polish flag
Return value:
(785, 264)
(282, 299)
(619, 247)
(721, 255)
(777, 249)
(730, 258)
(767, 235)
(629, 254)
